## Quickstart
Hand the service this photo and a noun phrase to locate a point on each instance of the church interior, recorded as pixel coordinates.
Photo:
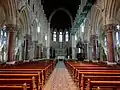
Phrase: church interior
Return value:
(60, 45)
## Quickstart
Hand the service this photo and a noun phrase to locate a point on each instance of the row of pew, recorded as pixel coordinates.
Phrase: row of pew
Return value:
(90, 76)
(26, 76)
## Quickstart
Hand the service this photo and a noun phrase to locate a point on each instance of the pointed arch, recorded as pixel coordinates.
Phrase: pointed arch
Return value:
(61, 9)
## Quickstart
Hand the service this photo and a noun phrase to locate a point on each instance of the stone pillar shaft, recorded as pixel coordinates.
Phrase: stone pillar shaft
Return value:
(48, 53)
(11, 47)
(27, 48)
(41, 54)
(93, 39)
(73, 47)
(109, 32)
(35, 49)
(11, 29)
(73, 53)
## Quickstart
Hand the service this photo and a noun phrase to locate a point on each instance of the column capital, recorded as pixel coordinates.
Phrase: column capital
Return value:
(11, 27)
(93, 37)
(110, 28)
(27, 36)
(73, 47)
(35, 41)
(47, 47)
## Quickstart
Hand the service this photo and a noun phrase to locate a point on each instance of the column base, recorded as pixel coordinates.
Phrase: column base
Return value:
(95, 61)
(26, 60)
(12, 62)
(111, 63)
(86, 60)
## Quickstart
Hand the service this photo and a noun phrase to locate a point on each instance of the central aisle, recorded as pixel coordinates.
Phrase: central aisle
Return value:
(60, 79)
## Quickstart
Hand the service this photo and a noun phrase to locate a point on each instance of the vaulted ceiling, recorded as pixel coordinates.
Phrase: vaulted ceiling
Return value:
(60, 19)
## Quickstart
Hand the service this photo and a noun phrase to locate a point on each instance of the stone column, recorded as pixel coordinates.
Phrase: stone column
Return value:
(27, 46)
(20, 56)
(93, 39)
(37, 54)
(109, 32)
(73, 53)
(41, 52)
(90, 52)
(11, 29)
(48, 42)
(48, 53)
(73, 47)
(35, 48)
(87, 50)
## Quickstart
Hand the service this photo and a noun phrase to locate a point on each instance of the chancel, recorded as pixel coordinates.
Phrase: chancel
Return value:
(59, 44)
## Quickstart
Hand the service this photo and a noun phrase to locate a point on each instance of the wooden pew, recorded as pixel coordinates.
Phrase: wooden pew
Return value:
(76, 76)
(16, 82)
(97, 78)
(79, 70)
(73, 67)
(43, 74)
(103, 84)
(46, 70)
(11, 87)
(29, 69)
(26, 78)
(96, 74)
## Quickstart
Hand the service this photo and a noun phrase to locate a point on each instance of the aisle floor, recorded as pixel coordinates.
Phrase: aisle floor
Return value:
(60, 79)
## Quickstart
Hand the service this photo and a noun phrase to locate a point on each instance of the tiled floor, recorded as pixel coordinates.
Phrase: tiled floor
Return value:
(60, 79)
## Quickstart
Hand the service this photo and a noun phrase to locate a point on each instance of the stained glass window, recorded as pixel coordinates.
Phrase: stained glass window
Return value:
(117, 37)
(60, 37)
(3, 35)
(54, 36)
(105, 41)
(66, 36)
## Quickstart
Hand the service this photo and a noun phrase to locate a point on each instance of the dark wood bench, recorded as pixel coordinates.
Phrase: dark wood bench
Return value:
(96, 74)
(17, 82)
(43, 74)
(114, 85)
(85, 78)
(23, 71)
(13, 87)
(46, 70)
(94, 71)
(76, 76)
(24, 78)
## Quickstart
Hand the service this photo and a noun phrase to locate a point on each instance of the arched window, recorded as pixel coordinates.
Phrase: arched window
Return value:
(79, 50)
(33, 7)
(60, 37)
(82, 28)
(54, 36)
(66, 36)
(3, 36)
(118, 37)
(75, 37)
(105, 41)
(46, 37)
(118, 34)
(29, 2)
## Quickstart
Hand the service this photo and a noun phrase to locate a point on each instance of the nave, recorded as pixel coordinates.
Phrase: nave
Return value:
(36, 34)
(59, 75)
(60, 79)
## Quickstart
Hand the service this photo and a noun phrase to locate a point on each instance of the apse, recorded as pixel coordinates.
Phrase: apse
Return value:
(60, 20)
